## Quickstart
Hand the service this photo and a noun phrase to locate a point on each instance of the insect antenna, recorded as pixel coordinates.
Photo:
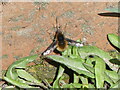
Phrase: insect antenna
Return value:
(57, 28)
(57, 24)
(64, 29)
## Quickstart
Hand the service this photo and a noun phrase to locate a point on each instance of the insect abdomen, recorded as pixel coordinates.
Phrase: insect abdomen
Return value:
(62, 45)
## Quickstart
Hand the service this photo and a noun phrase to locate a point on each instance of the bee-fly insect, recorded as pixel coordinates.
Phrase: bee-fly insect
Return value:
(60, 43)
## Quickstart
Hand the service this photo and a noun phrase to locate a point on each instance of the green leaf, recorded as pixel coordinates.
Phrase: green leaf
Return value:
(24, 61)
(99, 72)
(116, 85)
(72, 85)
(11, 72)
(56, 83)
(16, 83)
(114, 39)
(91, 86)
(89, 60)
(108, 79)
(25, 75)
(115, 61)
(112, 75)
(9, 87)
(67, 51)
(76, 78)
(75, 51)
(88, 67)
(60, 73)
(84, 80)
(92, 50)
(74, 64)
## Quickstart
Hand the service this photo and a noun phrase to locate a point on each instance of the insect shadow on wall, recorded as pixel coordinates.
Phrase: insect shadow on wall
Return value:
(60, 42)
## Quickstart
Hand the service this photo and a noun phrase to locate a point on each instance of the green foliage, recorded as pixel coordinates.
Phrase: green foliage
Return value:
(16, 75)
(114, 39)
(90, 67)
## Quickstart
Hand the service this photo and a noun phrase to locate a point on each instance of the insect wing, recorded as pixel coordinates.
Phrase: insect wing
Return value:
(74, 43)
(51, 48)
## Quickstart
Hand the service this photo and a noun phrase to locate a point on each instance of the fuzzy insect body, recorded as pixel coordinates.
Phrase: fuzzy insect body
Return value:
(61, 43)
